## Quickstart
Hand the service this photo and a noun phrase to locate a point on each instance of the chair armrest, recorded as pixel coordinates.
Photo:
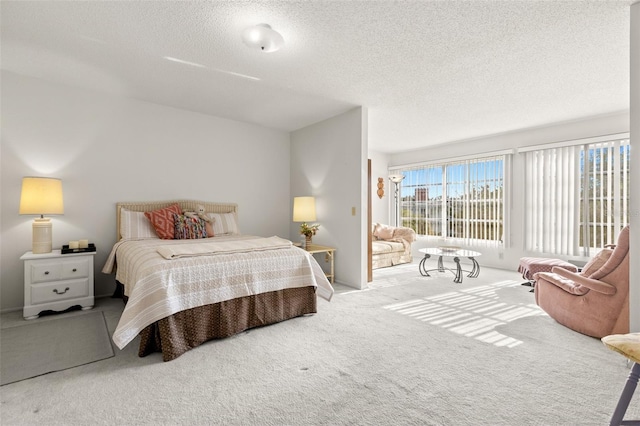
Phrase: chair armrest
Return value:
(595, 285)
(562, 283)
(405, 233)
(406, 244)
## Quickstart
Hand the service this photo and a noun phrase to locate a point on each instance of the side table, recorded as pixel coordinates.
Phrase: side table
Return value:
(328, 257)
(56, 281)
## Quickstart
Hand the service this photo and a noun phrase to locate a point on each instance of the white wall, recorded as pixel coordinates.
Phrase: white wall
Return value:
(634, 227)
(108, 149)
(509, 258)
(380, 169)
(329, 161)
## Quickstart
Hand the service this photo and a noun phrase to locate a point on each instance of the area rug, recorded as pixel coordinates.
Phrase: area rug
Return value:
(44, 346)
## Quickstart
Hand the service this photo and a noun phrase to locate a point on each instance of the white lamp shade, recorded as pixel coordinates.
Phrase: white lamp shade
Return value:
(262, 37)
(396, 178)
(41, 196)
(304, 209)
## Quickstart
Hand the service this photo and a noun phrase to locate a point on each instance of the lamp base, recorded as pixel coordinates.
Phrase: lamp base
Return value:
(42, 231)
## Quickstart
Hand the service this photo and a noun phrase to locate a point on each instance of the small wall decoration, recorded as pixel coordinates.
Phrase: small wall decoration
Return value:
(380, 187)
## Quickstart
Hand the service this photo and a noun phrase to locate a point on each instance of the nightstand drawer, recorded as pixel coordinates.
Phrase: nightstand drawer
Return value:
(56, 282)
(60, 290)
(76, 268)
(43, 272)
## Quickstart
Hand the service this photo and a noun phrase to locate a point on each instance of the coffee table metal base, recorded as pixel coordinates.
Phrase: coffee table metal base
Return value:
(475, 271)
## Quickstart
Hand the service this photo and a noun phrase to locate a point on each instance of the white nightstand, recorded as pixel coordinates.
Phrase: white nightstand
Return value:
(56, 281)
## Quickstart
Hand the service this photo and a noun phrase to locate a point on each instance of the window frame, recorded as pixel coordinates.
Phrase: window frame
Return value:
(441, 204)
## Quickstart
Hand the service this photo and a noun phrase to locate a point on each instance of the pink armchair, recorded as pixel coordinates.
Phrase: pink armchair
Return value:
(595, 301)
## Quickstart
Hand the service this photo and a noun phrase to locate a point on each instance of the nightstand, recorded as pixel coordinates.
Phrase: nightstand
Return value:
(56, 281)
(328, 257)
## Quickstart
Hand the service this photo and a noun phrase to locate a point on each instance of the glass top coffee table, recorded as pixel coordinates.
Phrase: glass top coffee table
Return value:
(456, 253)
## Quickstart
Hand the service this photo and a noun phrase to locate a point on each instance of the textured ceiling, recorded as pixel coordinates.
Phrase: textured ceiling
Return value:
(429, 72)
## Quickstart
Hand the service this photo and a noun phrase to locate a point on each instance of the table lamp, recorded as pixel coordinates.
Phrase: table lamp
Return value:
(304, 210)
(41, 196)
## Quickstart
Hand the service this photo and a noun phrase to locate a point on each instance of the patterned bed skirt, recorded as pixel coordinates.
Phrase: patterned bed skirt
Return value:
(183, 331)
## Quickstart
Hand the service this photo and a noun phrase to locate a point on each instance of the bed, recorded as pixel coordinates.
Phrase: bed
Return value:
(180, 293)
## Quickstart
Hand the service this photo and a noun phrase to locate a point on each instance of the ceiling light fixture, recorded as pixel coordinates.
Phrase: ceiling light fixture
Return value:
(262, 37)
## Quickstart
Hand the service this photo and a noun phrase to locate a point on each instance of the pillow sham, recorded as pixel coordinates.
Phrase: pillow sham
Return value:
(163, 222)
(224, 224)
(135, 226)
(188, 228)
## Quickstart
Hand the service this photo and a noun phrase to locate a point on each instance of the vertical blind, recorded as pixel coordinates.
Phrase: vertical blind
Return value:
(551, 206)
(576, 196)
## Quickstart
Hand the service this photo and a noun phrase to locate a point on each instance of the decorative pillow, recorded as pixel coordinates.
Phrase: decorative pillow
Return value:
(162, 221)
(224, 224)
(188, 228)
(209, 227)
(135, 226)
(383, 232)
(596, 262)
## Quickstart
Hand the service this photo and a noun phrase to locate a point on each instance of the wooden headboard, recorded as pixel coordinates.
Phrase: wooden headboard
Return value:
(185, 205)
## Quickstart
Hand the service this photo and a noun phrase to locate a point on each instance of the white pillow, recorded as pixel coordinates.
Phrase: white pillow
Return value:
(135, 225)
(224, 224)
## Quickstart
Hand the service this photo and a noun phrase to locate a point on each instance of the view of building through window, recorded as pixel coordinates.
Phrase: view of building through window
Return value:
(460, 200)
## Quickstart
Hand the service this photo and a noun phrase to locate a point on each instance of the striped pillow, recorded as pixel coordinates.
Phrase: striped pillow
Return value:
(224, 224)
(162, 221)
(135, 226)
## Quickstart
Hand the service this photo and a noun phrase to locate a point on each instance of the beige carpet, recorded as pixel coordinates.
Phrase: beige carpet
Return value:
(412, 351)
(51, 344)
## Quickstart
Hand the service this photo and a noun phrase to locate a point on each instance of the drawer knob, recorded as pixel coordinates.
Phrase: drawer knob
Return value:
(55, 290)
(74, 270)
(46, 272)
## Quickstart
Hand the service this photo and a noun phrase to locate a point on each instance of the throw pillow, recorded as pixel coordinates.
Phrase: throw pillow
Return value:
(163, 221)
(188, 228)
(383, 232)
(209, 227)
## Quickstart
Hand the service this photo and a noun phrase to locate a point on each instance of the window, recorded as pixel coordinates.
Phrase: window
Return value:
(577, 196)
(463, 200)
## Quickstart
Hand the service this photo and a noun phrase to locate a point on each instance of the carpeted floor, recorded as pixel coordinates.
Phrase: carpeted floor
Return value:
(410, 350)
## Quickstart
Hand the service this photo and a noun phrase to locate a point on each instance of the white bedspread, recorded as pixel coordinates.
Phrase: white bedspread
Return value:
(159, 287)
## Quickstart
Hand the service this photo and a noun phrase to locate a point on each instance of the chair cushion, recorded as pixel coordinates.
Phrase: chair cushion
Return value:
(618, 255)
(378, 247)
(596, 262)
(626, 344)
